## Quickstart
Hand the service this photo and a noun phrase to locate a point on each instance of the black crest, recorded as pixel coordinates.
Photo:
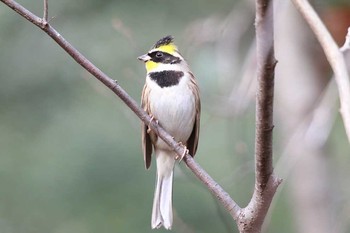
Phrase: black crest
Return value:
(164, 41)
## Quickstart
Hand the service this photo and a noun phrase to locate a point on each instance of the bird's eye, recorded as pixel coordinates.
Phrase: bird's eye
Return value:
(159, 54)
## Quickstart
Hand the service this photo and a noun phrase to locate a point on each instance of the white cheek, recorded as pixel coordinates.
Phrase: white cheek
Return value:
(177, 67)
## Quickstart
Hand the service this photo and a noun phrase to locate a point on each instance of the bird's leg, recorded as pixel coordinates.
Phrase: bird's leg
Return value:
(180, 158)
(152, 119)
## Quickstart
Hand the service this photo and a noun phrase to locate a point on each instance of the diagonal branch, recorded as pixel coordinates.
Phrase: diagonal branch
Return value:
(214, 187)
(334, 56)
(250, 218)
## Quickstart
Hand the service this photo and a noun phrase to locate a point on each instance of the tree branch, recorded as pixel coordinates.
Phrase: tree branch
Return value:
(214, 187)
(266, 183)
(346, 46)
(249, 219)
(46, 10)
(334, 57)
(264, 108)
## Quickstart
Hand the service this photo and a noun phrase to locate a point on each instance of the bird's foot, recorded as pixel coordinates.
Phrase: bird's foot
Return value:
(180, 158)
(152, 119)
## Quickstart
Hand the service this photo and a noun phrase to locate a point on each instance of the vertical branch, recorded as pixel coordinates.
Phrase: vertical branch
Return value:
(252, 216)
(265, 91)
(249, 219)
(46, 10)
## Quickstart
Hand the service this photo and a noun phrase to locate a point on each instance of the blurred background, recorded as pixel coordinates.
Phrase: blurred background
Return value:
(70, 150)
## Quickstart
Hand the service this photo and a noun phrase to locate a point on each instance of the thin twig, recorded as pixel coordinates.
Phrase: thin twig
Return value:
(346, 45)
(334, 56)
(214, 187)
(46, 10)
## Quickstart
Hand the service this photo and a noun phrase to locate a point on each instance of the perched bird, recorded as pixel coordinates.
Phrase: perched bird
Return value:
(171, 97)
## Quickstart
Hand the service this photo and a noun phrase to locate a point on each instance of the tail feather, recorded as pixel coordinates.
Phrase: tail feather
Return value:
(162, 213)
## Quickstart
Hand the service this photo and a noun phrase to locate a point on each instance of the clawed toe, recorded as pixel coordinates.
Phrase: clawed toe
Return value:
(152, 119)
(180, 158)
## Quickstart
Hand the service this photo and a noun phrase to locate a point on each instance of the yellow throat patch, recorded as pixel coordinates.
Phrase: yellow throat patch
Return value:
(151, 65)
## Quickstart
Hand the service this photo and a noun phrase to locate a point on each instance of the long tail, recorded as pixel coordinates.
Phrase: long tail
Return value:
(162, 213)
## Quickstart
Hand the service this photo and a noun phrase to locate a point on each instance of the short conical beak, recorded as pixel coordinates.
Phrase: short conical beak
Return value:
(144, 57)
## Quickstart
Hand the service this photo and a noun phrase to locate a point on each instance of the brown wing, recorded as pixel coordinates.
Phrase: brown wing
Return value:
(192, 142)
(146, 138)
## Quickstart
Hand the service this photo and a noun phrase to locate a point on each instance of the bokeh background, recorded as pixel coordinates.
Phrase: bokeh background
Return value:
(70, 150)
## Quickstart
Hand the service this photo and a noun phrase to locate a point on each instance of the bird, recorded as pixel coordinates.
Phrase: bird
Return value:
(171, 97)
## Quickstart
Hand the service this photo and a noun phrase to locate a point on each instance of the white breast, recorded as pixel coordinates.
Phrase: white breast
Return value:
(174, 108)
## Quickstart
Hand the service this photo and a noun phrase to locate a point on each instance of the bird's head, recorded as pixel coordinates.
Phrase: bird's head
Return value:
(164, 52)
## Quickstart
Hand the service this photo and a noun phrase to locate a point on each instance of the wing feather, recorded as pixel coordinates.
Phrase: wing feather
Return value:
(192, 142)
(146, 138)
